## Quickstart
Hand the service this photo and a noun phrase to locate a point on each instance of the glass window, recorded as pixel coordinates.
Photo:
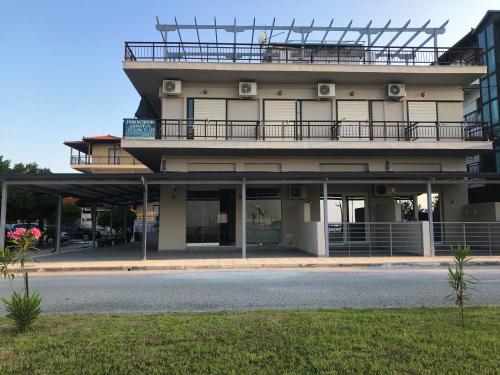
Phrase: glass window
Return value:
(495, 118)
(263, 215)
(498, 161)
(493, 86)
(485, 95)
(491, 61)
(489, 36)
(486, 112)
(481, 39)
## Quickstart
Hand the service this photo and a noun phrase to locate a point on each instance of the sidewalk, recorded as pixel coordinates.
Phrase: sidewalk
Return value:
(249, 263)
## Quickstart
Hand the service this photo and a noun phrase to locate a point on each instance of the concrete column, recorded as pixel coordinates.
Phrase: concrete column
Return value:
(94, 222)
(325, 219)
(58, 224)
(430, 218)
(243, 220)
(3, 215)
(426, 239)
(144, 220)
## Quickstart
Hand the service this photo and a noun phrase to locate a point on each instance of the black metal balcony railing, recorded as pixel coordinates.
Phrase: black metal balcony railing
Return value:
(319, 54)
(111, 160)
(189, 129)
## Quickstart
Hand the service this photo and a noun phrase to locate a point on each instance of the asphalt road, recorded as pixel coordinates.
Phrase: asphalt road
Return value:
(141, 292)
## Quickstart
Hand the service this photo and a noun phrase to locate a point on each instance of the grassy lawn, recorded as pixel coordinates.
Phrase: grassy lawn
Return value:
(407, 341)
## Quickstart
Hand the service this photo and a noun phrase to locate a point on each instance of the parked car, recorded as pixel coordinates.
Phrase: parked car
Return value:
(76, 231)
(71, 232)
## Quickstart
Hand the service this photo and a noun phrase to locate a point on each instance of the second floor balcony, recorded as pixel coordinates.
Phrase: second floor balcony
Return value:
(88, 160)
(329, 131)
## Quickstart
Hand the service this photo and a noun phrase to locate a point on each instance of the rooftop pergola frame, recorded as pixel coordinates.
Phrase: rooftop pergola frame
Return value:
(123, 189)
(294, 33)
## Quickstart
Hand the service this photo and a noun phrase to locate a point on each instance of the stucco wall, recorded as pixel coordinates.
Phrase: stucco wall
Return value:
(313, 164)
(172, 228)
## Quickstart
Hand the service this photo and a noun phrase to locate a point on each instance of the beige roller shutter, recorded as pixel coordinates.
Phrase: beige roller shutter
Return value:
(279, 110)
(450, 111)
(279, 116)
(211, 110)
(354, 117)
(316, 119)
(422, 111)
(425, 113)
(353, 110)
(245, 114)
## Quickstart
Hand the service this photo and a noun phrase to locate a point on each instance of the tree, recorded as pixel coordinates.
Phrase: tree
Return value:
(24, 205)
(458, 280)
(70, 213)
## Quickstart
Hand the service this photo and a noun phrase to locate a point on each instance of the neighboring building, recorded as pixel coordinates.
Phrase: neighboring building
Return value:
(482, 98)
(102, 154)
(298, 110)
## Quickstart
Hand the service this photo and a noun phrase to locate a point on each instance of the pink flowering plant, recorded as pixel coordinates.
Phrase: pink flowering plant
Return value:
(21, 307)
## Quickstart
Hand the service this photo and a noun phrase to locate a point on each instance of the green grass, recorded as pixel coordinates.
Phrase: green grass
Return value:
(402, 341)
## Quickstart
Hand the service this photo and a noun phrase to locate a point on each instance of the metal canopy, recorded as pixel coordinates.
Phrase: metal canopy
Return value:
(293, 33)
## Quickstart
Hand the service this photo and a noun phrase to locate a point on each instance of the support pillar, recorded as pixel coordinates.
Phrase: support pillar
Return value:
(3, 215)
(58, 224)
(325, 219)
(124, 230)
(430, 217)
(144, 219)
(94, 223)
(243, 219)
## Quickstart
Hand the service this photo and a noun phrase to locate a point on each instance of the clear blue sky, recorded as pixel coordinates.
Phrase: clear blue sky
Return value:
(60, 61)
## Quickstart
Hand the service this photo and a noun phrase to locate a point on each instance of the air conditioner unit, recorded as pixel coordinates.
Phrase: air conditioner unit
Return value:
(248, 89)
(326, 90)
(382, 190)
(396, 90)
(172, 87)
(297, 192)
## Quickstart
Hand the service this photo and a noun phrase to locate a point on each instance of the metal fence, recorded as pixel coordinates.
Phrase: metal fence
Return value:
(326, 54)
(376, 239)
(113, 160)
(321, 130)
(482, 237)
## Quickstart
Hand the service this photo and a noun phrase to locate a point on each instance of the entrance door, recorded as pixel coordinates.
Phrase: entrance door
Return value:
(210, 217)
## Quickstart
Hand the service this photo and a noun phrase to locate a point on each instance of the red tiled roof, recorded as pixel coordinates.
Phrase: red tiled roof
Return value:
(102, 138)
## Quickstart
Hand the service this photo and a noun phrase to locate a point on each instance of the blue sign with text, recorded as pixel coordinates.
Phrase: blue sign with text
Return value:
(133, 128)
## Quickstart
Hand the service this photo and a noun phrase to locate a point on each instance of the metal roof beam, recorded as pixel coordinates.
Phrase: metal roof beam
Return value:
(380, 33)
(345, 32)
(310, 29)
(271, 31)
(326, 32)
(289, 30)
(180, 38)
(363, 33)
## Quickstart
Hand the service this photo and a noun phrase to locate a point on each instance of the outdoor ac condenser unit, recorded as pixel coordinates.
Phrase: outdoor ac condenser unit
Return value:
(297, 192)
(172, 87)
(326, 90)
(382, 190)
(247, 89)
(396, 90)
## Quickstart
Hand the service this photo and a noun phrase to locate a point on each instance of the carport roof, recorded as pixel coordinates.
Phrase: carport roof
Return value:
(127, 188)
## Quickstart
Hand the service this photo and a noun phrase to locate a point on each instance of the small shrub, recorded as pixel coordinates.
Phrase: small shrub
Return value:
(22, 309)
(458, 280)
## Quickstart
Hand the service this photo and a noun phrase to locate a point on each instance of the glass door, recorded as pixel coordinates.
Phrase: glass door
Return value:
(202, 214)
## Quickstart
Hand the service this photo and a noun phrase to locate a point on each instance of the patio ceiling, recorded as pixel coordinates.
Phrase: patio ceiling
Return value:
(127, 188)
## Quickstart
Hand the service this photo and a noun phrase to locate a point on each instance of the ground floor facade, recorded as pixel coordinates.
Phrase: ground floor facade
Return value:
(363, 219)
(324, 214)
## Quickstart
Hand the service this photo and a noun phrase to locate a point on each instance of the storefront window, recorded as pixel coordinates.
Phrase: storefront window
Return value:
(263, 215)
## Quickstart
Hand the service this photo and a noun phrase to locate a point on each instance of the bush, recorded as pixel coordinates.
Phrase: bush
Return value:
(23, 310)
